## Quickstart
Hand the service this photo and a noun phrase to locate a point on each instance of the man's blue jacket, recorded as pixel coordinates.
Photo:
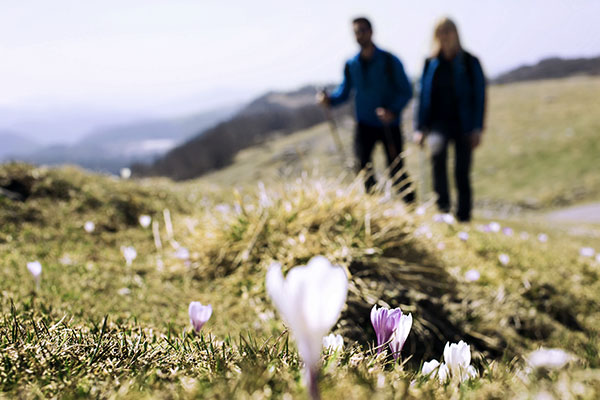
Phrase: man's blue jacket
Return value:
(378, 82)
(469, 83)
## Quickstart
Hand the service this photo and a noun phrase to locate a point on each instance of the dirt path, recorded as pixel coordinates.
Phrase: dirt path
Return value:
(584, 214)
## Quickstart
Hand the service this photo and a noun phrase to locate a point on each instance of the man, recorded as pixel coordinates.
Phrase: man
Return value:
(381, 91)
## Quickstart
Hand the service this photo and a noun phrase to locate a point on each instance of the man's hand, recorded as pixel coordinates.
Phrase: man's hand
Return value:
(385, 115)
(419, 138)
(323, 99)
(475, 139)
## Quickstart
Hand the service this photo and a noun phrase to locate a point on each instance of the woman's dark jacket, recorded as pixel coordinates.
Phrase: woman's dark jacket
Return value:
(469, 86)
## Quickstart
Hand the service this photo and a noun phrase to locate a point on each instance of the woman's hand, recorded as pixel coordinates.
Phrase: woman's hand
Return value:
(475, 139)
(419, 138)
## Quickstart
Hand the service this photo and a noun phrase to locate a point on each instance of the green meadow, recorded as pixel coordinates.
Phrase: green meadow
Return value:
(96, 327)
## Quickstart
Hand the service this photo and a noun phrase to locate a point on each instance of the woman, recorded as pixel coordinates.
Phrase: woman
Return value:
(451, 109)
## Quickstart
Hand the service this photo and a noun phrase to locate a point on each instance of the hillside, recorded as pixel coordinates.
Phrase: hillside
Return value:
(551, 68)
(275, 113)
(15, 144)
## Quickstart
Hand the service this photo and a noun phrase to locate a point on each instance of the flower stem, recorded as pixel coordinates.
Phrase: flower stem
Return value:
(313, 383)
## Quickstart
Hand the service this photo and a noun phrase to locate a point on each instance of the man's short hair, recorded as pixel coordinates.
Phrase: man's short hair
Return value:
(363, 20)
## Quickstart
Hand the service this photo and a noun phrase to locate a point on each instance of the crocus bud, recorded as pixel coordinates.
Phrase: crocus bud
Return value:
(145, 220)
(129, 253)
(464, 236)
(182, 253)
(504, 259)
(35, 268)
(89, 226)
(494, 227)
(199, 314)
(333, 343)
(587, 252)
(549, 358)
(472, 275)
(125, 173)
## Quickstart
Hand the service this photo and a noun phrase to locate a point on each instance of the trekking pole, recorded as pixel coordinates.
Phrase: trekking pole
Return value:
(333, 129)
(335, 133)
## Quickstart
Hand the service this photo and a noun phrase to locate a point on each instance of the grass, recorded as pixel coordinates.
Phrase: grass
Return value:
(98, 328)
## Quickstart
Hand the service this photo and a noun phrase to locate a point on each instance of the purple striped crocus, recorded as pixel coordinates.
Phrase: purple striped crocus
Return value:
(199, 314)
(390, 324)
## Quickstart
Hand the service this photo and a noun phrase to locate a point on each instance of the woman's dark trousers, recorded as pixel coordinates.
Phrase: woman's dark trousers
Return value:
(462, 168)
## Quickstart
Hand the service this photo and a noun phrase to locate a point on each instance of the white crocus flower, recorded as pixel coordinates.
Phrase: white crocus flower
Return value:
(182, 253)
(448, 219)
(263, 198)
(224, 208)
(470, 373)
(549, 358)
(494, 227)
(542, 238)
(125, 173)
(458, 358)
(333, 343)
(456, 365)
(310, 299)
(587, 252)
(400, 334)
(35, 268)
(504, 259)
(429, 367)
(445, 218)
(472, 275)
(89, 226)
(443, 373)
(145, 221)
(129, 253)
(464, 236)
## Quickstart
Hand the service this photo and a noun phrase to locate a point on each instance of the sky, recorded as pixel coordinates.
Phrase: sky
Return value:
(168, 57)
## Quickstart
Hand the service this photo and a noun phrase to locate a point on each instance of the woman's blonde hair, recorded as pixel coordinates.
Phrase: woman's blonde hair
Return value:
(445, 24)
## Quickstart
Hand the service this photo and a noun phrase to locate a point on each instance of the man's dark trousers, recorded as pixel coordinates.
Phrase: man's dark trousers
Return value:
(462, 167)
(366, 137)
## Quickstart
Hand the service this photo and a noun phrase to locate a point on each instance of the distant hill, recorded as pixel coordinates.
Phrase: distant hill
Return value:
(13, 145)
(270, 114)
(551, 68)
(110, 149)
